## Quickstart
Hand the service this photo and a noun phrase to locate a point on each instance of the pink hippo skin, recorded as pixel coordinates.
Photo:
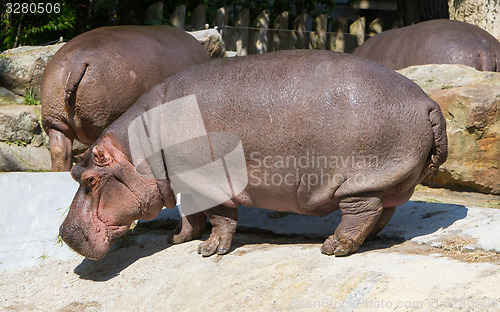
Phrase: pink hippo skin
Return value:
(98, 75)
(434, 42)
(280, 104)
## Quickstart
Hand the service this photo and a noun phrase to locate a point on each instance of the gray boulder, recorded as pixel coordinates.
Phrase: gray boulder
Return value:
(212, 41)
(8, 97)
(24, 158)
(21, 68)
(22, 140)
(19, 123)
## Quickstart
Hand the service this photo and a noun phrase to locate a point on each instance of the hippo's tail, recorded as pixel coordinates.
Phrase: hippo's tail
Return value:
(439, 149)
(72, 83)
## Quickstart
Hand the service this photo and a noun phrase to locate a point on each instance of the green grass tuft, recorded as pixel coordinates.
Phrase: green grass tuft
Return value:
(30, 97)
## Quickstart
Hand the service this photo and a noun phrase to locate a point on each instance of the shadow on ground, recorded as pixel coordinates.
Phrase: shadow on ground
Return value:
(144, 240)
(259, 226)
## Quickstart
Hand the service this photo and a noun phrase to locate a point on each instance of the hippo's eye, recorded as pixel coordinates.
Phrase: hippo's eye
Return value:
(91, 181)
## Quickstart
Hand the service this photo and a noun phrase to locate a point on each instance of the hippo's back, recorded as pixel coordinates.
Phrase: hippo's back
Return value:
(434, 42)
(362, 118)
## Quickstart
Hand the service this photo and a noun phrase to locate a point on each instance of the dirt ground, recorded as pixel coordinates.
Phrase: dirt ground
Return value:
(266, 271)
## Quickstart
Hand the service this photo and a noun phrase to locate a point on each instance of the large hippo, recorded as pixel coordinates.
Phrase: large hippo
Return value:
(99, 74)
(316, 131)
(434, 42)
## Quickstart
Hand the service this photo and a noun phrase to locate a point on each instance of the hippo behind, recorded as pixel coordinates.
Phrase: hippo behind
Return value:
(434, 42)
(367, 132)
(99, 74)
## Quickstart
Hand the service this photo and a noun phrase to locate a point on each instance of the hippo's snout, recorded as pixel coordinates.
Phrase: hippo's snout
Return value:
(75, 237)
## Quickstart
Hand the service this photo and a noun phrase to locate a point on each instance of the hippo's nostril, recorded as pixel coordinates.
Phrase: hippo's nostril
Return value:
(66, 230)
(72, 233)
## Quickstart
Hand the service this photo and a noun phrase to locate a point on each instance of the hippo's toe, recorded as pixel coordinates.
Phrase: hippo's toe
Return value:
(337, 247)
(216, 243)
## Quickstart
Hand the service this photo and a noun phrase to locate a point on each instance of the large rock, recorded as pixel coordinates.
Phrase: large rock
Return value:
(19, 123)
(212, 41)
(24, 158)
(21, 68)
(22, 140)
(470, 101)
(8, 97)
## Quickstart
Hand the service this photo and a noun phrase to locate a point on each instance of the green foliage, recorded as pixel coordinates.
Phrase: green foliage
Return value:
(19, 143)
(43, 257)
(30, 28)
(59, 240)
(30, 97)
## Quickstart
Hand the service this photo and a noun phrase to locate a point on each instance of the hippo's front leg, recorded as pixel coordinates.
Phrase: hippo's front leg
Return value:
(189, 228)
(360, 214)
(224, 221)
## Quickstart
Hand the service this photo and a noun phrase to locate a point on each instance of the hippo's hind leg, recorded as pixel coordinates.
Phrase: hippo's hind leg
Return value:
(386, 216)
(224, 221)
(360, 214)
(60, 150)
(190, 227)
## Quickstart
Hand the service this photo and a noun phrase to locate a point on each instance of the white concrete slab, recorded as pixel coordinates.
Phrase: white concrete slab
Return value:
(32, 206)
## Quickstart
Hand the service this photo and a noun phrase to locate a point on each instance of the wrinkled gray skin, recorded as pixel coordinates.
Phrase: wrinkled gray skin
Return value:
(434, 42)
(280, 104)
(99, 74)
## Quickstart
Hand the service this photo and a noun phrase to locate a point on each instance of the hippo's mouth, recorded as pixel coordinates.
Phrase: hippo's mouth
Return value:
(112, 232)
(115, 231)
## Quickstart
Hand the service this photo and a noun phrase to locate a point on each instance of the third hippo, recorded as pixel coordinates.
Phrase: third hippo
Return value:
(217, 131)
(434, 42)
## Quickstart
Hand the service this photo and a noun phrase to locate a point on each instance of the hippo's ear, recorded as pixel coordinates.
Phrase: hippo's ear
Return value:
(81, 157)
(101, 156)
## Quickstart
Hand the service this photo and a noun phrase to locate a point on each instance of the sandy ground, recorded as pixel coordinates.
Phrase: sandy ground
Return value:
(431, 257)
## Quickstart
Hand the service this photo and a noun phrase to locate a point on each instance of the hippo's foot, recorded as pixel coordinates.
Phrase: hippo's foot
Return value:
(338, 246)
(189, 228)
(224, 221)
(219, 243)
(360, 215)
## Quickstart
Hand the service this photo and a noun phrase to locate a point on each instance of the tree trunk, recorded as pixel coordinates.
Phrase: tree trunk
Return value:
(482, 13)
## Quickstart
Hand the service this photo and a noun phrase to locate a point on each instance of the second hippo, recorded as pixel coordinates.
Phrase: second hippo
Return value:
(99, 74)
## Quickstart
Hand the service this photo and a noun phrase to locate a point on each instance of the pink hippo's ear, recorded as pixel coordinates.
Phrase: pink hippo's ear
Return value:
(106, 153)
(101, 156)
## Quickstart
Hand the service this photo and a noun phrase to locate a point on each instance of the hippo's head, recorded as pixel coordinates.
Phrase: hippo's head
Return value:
(111, 196)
